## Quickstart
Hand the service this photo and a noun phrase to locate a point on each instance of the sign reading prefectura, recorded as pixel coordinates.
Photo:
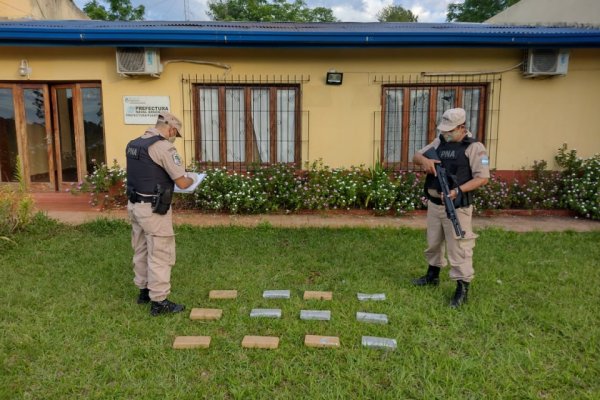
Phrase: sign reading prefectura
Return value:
(143, 110)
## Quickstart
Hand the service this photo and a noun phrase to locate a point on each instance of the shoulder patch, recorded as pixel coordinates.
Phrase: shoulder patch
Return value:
(485, 160)
(176, 159)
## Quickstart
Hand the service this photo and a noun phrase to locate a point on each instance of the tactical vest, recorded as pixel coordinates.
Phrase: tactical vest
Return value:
(143, 174)
(457, 167)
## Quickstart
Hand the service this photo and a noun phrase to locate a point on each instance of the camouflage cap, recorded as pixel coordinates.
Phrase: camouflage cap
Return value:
(451, 119)
(167, 118)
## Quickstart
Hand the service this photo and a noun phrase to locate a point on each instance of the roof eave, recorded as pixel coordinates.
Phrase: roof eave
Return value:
(292, 39)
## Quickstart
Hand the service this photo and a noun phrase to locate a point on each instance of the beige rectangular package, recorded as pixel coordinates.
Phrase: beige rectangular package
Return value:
(260, 342)
(222, 294)
(321, 341)
(191, 342)
(308, 295)
(205, 314)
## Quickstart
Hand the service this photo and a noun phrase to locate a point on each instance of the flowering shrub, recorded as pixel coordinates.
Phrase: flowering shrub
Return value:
(493, 196)
(379, 189)
(324, 188)
(280, 187)
(235, 193)
(105, 184)
(409, 191)
(541, 191)
(581, 182)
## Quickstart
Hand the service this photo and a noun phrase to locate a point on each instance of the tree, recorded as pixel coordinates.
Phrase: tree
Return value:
(120, 10)
(265, 11)
(476, 10)
(393, 13)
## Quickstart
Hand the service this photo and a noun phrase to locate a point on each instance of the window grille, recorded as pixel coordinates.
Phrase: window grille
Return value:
(247, 121)
(412, 108)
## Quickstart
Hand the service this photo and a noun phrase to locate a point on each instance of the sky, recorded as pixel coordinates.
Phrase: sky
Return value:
(344, 10)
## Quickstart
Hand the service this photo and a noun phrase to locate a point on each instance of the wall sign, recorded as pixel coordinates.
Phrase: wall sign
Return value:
(143, 110)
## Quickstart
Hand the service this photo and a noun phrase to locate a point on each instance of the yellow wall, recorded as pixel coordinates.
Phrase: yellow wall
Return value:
(342, 123)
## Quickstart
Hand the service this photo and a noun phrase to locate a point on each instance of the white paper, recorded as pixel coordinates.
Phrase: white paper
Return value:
(190, 189)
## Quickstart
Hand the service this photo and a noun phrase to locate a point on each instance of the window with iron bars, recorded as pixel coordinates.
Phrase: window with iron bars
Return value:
(242, 125)
(411, 114)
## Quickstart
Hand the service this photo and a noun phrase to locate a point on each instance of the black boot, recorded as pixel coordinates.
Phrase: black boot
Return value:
(144, 297)
(164, 307)
(431, 278)
(460, 296)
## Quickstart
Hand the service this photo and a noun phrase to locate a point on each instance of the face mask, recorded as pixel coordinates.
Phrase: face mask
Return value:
(172, 139)
(450, 136)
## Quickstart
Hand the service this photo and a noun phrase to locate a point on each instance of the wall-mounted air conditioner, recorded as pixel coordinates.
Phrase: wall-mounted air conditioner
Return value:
(138, 61)
(546, 62)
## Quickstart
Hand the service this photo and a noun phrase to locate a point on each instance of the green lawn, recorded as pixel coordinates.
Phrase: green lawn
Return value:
(71, 328)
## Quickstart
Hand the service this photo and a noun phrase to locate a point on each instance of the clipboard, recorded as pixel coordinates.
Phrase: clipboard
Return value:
(198, 178)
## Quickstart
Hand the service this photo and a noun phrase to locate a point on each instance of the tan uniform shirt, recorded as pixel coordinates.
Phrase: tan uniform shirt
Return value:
(165, 154)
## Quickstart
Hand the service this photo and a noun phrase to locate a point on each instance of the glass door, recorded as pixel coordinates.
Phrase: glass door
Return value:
(78, 131)
(9, 143)
(56, 131)
(36, 133)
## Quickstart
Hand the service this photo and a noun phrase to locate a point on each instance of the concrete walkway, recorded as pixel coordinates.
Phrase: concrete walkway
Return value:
(335, 220)
(77, 209)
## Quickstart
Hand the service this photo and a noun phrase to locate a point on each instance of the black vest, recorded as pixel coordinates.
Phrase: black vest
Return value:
(457, 167)
(143, 174)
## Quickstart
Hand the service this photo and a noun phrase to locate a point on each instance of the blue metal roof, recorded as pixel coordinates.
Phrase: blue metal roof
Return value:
(282, 34)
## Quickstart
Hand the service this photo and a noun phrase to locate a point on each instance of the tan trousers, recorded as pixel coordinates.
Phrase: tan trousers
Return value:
(153, 243)
(441, 239)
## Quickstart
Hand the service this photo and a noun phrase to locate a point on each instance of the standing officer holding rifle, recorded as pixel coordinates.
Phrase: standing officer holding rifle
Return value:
(456, 164)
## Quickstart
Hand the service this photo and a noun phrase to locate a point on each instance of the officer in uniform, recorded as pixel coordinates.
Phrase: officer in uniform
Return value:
(466, 161)
(153, 167)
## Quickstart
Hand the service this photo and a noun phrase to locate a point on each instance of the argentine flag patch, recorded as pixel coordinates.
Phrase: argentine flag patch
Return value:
(485, 161)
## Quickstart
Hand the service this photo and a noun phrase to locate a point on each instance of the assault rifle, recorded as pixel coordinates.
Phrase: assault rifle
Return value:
(442, 178)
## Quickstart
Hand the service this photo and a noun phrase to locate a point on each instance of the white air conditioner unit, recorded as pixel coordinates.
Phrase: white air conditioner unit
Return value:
(138, 61)
(546, 62)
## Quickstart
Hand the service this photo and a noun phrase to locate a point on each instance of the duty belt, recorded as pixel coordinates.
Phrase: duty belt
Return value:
(141, 198)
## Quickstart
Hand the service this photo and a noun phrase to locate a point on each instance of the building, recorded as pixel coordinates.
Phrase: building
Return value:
(40, 9)
(348, 93)
(550, 13)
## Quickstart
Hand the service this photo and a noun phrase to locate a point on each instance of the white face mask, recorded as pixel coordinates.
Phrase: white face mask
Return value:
(450, 136)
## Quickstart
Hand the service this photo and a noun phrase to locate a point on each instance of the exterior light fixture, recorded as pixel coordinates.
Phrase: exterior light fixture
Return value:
(334, 77)
(24, 69)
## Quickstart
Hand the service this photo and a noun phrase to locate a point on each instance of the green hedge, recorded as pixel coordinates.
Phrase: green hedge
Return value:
(281, 188)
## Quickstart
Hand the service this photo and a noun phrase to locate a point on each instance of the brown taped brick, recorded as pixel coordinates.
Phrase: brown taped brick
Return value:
(308, 295)
(191, 342)
(321, 341)
(222, 294)
(260, 342)
(204, 314)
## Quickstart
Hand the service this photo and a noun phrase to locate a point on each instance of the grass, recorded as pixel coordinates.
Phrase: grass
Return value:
(71, 328)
